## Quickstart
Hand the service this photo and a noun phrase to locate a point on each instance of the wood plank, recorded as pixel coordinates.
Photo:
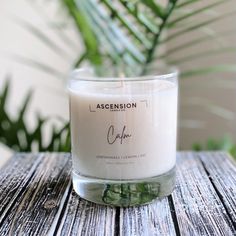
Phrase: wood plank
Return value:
(222, 172)
(85, 218)
(36, 199)
(152, 219)
(14, 177)
(40, 182)
(199, 210)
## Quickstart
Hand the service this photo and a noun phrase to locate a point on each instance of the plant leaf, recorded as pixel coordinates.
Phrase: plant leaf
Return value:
(88, 35)
(15, 133)
(140, 16)
(156, 8)
(119, 37)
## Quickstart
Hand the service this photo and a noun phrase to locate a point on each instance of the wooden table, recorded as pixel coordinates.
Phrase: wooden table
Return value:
(36, 198)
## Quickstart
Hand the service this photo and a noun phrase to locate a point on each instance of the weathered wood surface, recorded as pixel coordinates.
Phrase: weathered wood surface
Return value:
(36, 198)
(221, 171)
(198, 207)
(154, 219)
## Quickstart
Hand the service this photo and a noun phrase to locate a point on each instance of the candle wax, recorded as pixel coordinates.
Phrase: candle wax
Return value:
(123, 130)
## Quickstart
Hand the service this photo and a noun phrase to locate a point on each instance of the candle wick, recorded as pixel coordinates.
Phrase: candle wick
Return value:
(122, 76)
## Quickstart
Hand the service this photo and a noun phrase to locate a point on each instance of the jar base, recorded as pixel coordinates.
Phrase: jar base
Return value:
(124, 193)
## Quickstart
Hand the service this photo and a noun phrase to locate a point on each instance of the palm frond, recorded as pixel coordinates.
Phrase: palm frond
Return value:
(121, 38)
(133, 31)
(92, 48)
(15, 133)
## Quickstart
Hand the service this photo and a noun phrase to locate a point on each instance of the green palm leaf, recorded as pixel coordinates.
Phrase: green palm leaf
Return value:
(14, 132)
(132, 41)
(133, 31)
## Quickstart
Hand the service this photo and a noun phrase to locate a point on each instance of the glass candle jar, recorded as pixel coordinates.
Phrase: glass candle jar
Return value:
(123, 135)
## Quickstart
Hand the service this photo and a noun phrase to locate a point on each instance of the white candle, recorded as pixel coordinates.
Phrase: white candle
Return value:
(123, 130)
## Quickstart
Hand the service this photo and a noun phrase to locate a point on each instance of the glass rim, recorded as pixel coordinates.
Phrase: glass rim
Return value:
(160, 72)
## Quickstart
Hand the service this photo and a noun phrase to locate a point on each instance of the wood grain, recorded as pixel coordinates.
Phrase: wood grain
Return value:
(152, 219)
(222, 172)
(199, 209)
(85, 218)
(14, 178)
(41, 189)
(36, 190)
(36, 198)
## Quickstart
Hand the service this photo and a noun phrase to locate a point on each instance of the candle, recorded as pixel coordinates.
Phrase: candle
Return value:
(123, 129)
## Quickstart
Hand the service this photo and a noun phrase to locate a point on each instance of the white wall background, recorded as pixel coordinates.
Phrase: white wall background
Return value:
(15, 40)
(207, 103)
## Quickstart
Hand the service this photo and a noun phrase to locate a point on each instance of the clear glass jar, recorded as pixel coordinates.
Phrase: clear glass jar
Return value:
(123, 135)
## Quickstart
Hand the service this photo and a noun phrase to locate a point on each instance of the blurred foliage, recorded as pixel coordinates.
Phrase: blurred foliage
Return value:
(132, 33)
(119, 32)
(14, 132)
(224, 144)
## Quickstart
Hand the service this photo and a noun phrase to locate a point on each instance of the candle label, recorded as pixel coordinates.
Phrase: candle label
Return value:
(115, 136)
